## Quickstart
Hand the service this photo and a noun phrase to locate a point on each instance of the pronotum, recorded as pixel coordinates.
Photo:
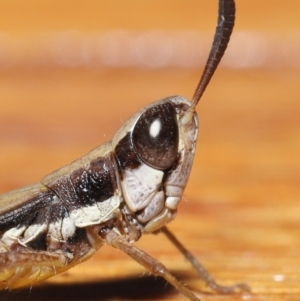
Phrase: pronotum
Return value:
(127, 187)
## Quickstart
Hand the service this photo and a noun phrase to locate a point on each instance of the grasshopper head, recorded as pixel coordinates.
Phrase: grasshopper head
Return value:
(154, 150)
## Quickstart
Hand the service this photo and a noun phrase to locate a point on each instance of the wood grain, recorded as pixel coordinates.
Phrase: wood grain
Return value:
(240, 214)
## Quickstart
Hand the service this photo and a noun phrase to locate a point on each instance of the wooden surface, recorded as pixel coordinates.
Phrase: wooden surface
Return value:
(240, 213)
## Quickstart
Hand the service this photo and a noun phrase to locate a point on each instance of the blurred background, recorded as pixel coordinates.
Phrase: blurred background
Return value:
(71, 72)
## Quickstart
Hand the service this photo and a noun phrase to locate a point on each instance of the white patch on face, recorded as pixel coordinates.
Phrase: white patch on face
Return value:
(172, 202)
(155, 128)
(154, 207)
(140, 185)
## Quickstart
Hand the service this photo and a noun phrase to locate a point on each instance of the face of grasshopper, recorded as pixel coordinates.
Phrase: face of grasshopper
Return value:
(154, 151)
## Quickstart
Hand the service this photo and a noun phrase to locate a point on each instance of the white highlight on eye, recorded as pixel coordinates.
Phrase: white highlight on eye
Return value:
(155, 128)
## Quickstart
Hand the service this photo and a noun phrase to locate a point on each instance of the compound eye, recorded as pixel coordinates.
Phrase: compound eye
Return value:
(155, 136)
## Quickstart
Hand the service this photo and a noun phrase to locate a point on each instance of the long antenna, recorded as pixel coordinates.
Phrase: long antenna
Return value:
(224, 28)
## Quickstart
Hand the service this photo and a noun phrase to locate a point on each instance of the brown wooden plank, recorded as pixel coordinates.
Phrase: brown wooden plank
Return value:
(241, 211)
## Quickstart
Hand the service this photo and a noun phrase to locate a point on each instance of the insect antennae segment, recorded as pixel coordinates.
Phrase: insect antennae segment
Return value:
(223, 32)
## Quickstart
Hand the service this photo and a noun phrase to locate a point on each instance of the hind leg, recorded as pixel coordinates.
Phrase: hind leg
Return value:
(25, 267)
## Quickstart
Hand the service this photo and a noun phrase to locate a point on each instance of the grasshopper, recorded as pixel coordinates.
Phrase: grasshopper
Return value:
(127, 187)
